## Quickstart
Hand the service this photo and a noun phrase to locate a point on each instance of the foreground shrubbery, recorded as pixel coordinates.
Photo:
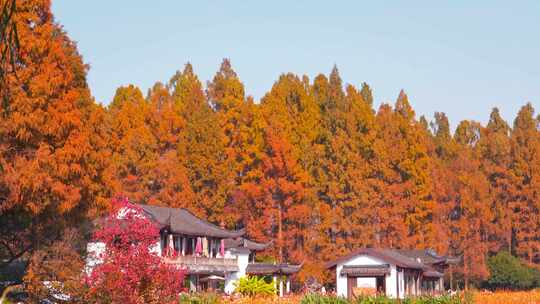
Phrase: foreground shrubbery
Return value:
(202, 298)
(506, 297)
(318, 299)
(477, 297)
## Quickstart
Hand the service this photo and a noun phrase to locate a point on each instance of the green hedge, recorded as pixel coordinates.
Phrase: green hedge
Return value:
(509, 272)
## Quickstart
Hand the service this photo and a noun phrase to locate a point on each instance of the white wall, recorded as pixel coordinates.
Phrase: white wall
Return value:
(391, 282)
(156, 249)
(341, 281)
(401, 278)
(366, 282)
(232, 278)
(94, 251)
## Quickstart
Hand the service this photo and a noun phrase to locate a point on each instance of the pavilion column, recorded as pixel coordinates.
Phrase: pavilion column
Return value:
(274, 280)
(416, 280)
(183, 240)
(288, 288)
(280, 287)
(192, 284)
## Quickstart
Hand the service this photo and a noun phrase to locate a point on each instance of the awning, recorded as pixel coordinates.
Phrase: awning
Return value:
(365, 270)
(268, 268)
(210, 269)
(212, 278)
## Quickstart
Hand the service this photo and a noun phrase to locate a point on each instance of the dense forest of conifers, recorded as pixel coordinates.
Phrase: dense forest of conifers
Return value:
(312, 166)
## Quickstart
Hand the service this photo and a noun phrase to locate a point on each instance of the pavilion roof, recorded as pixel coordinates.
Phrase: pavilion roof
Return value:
(390, 256)
(181, 221)
(269, 268)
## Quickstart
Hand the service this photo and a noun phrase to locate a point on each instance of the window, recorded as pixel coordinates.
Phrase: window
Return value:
(177, 243)
(190, 246)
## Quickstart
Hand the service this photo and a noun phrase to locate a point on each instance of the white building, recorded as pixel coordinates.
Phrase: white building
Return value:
(394, 273)
(212, 256)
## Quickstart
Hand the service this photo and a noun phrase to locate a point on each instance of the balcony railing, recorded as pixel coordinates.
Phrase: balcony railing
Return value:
(204, 264)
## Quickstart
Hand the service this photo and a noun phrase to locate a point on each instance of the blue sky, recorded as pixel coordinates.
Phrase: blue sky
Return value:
(459, 57)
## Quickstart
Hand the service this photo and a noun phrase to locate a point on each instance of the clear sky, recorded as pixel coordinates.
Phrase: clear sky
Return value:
(462, 58)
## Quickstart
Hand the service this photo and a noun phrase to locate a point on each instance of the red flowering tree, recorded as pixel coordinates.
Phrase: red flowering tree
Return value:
(131, 270)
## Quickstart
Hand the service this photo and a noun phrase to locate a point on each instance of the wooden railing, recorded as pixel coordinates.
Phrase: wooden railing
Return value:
(195, 260)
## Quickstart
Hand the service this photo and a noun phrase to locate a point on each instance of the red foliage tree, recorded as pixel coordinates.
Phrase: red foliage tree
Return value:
(131, 271)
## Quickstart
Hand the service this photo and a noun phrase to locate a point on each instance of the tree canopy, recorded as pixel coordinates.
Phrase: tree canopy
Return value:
(316, 166)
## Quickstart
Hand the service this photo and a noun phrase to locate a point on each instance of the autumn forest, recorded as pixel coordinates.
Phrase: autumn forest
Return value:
(313, 166)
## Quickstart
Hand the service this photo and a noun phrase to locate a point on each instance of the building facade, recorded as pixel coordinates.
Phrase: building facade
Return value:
(394, 273)
(213, 257)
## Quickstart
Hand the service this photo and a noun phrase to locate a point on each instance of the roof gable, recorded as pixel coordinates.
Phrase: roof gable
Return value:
(389, 256)
(242, 242)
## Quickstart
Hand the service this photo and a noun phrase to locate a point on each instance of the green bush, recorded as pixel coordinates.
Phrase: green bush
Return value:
(375, 300)
(255, 286)
(508, 272)
(202, 298)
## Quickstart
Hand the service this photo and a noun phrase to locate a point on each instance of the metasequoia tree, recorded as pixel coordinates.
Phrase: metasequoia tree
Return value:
(346, 133)
(471, 214)
(494, 148)
(275, 207)
(202, 148)
(525, 170)
(9, 47)
(240, 120)
(168, 181)
(51, 175)
(401, 181)
(131, 141)
(311, 166)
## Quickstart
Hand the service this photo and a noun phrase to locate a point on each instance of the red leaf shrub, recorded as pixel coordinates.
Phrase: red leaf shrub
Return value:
(131, 271)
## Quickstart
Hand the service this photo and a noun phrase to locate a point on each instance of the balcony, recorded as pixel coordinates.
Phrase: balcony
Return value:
(204, 265)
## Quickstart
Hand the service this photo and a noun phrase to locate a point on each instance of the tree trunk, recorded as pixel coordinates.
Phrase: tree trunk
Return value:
(451, 277)
(280, 234)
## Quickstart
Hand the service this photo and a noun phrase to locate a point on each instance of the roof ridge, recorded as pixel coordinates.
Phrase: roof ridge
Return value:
(182, 220)
(386, 254)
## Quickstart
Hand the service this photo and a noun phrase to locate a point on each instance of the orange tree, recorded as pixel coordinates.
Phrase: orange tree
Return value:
(51, 175)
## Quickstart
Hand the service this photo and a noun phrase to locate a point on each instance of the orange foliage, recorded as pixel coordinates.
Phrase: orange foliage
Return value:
(504, 297)
(312, 167)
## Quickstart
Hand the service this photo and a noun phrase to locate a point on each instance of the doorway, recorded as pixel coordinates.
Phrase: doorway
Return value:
(377, 287)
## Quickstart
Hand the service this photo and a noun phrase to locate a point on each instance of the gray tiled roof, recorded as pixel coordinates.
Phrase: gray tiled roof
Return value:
(390, 256)
(182, 221)
(242, 242)
(365, 270)
(269, 268)
(432, 274)
(427, 256)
